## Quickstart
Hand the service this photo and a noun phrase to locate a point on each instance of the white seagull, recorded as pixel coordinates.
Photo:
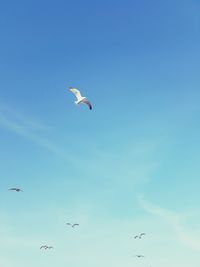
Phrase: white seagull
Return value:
(80, 98)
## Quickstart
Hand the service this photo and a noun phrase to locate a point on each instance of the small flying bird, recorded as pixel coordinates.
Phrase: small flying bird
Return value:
(80, 98)
(139, 236)
(139, 256)
(142, 234)
(45, 247)
(16, 189)
(73, 225)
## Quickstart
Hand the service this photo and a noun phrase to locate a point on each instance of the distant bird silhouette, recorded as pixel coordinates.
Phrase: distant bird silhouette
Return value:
(46, 247)
(16, 189)
(80, 98)
(139, 236)
(142, 234)
(73, 225)
(139, 256)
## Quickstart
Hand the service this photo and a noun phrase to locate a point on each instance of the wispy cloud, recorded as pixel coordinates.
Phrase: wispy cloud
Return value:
(24, 126)
(174, 219)
(20, 117)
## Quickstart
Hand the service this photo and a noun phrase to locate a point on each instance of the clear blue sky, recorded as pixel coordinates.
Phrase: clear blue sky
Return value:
(131, 164)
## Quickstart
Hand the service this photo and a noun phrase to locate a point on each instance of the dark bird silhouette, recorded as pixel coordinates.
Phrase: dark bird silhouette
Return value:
(73, 225)
(46, 247)
(16, 189)
(139, 256)
(139, 236)
(142, 234)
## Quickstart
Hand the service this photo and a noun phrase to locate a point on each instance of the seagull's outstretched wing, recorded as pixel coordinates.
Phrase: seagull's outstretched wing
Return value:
(142, 234)
(16, 189)
(75, 224)
(85, 101)
(68, 223)
(76, 92)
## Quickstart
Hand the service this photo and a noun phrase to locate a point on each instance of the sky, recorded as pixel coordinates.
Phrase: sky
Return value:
(130, 165)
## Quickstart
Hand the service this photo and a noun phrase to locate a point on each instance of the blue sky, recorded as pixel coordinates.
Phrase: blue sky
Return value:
(131, 164)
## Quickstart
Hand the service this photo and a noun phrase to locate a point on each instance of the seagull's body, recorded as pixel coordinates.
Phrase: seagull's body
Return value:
(16, 189)
(80, 98)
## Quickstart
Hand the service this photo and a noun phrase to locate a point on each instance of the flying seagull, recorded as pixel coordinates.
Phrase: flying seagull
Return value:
(139, 256)
(80, 98)
(139, 236)
(45, 247)
(73, 225)
(142, 234)
(16, 189)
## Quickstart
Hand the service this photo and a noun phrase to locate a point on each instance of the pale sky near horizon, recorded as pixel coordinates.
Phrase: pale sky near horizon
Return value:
(130, 165)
